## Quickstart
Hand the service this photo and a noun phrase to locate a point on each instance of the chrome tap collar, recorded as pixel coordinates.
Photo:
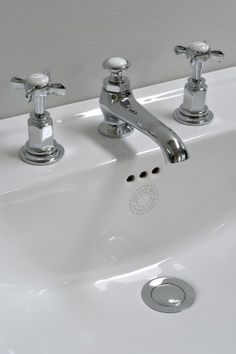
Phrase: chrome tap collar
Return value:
(41, 148)
(194, 110)
(114, 87)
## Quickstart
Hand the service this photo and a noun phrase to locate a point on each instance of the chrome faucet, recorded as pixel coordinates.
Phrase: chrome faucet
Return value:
(193, 110)
(41, 148)
(122, 113)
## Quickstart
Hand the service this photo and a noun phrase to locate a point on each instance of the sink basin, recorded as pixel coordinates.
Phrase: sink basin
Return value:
(79, 239)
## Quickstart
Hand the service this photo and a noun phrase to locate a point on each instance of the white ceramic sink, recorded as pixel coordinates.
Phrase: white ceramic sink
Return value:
(78, 242)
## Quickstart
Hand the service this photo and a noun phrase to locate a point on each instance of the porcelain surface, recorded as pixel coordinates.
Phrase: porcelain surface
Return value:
(78, 241)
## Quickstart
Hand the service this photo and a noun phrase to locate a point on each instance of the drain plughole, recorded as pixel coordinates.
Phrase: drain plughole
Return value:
(168, 294)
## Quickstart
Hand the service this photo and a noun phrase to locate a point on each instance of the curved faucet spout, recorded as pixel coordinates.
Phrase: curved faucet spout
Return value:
(122, 110)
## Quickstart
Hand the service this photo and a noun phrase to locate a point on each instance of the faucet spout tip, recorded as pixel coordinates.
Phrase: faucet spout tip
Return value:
(180, 157)
(177, 152)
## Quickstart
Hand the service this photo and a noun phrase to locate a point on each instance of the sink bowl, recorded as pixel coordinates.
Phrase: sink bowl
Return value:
(79, 239)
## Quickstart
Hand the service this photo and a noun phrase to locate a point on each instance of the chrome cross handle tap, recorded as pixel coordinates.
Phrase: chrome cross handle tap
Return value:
(122, 113)
(41, 148)
(194, 110)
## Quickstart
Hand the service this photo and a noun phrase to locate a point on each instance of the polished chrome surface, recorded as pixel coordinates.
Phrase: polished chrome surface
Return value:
(168, 294)
(116, 65)
(194, 110)
(41, 148)
(41, 157)
(122, 113)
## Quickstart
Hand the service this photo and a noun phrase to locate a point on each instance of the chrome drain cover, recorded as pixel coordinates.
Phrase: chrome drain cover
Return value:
(168, 294)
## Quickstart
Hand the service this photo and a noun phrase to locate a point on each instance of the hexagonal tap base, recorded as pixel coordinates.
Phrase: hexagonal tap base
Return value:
(193, 110)
(41, 157)
(193, 118)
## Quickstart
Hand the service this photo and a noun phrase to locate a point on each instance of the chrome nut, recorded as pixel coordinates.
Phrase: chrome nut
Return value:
(116, 88)
(194, 98)
(40, 133)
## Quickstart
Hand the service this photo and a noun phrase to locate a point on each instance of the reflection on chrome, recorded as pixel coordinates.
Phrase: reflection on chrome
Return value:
(144, 101)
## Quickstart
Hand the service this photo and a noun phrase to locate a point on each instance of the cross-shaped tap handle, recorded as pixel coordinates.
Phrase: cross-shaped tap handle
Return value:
(197, 53)
(37, 86)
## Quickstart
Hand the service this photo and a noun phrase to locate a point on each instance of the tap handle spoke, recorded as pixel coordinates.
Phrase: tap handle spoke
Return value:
(179, 49)
(57, 89)
(17, 82)
(197, 53)
(217, 54)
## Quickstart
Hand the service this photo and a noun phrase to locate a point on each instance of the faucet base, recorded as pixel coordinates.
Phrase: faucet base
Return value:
(193, 118)
(41, 157)
(117, 130)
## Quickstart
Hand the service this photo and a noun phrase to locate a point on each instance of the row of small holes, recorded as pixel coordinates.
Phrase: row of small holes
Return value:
(143, 174)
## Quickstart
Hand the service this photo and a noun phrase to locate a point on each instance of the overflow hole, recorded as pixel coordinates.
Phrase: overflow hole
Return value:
(143, 174)
(156, 170)
(130, 178)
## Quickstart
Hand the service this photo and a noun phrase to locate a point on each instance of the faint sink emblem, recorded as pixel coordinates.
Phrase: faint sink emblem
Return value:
(144, 199)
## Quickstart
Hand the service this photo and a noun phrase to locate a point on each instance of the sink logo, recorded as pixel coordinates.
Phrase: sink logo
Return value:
(143, 199)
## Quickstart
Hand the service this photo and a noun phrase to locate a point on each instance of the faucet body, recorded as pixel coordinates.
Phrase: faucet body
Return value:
(122, 114)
